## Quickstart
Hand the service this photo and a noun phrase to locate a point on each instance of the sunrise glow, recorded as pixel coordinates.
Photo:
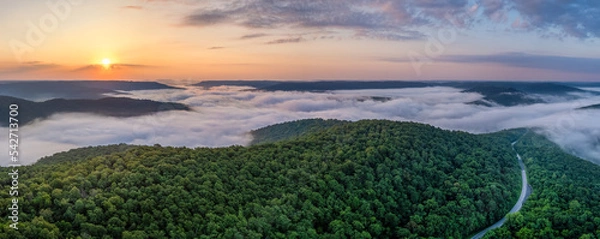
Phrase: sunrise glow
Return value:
(330, 40)
(106, 63)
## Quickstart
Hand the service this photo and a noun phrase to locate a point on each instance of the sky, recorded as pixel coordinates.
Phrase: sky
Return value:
(550, 40)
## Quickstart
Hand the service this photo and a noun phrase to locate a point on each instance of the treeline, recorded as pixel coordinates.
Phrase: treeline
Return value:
(565, 202)
(291, 130)
(368, 179)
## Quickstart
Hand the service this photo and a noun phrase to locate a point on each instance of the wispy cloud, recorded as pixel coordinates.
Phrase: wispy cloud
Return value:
(576, 19)
(216, 48)
(286, 40)
(207, 18)
(353, 15)
(119, 66)
(517, 59)
(520, 59)
(28, 67)
(571, 18)
(134, 7)
(251, 36)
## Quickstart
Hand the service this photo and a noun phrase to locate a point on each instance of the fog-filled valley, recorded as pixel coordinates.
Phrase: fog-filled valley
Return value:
(224, 114)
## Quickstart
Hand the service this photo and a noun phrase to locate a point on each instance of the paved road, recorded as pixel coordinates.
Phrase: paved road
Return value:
(525, 192)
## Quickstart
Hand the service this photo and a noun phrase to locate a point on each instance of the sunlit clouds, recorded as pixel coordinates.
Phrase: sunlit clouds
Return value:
(299, 40)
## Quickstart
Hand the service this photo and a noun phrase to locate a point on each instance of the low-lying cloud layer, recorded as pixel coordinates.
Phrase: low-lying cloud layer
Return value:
(222, 116)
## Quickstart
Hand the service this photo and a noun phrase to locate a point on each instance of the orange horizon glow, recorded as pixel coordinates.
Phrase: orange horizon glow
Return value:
(108, 40)
(106, 63)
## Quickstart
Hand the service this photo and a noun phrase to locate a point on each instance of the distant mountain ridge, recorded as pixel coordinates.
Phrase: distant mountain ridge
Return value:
(45, 90)
(315, 85)
(502, 96)
(517, 93)
(590, 107)
(109, 106)
(495, 93)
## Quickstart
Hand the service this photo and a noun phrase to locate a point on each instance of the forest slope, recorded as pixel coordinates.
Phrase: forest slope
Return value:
(291, 130)
(565, 202)
(367, 179)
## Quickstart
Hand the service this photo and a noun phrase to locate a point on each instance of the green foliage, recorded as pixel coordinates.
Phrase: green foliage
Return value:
(291, 130)
(368, 179)
(82, 154)
(565, 202)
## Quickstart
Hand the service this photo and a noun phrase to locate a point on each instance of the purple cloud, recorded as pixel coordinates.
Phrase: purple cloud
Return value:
(372, 18)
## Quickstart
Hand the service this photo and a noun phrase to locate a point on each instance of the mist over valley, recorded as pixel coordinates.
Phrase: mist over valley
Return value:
(224, 112)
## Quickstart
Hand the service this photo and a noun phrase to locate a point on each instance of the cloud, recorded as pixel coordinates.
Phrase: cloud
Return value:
(394, 59)
(377, 16)
(119, 66)
(518, 59)
(495, 10)
(551, 18)
(222, 116)
(30, 66)
(252, 36)
(561, 18)
(216, 48)
(520, 24)
(438, 9)
(134, 7)
(207, 18)
(184, 2)
(286, 40)
(572, 18)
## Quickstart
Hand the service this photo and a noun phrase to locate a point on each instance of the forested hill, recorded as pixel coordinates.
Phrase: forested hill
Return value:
(108, 106)
(81, 154)
(291, 130)
(45, 90)
(590, 107)
(565, 202)
(367, 179)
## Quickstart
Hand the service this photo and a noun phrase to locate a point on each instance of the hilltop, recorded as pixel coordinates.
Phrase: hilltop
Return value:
(45, 90)
(109, 106)
(365, 179)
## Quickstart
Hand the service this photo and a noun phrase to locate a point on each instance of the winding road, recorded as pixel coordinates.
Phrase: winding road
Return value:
(525, 192)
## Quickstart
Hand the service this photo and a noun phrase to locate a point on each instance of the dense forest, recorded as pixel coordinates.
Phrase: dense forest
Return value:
(291, 130)
(367, 179)
(565, 202)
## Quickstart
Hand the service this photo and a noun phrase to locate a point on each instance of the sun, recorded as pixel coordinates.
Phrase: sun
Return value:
(106, 62)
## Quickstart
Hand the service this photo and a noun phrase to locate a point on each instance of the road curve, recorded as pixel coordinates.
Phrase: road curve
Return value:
(525, 192)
